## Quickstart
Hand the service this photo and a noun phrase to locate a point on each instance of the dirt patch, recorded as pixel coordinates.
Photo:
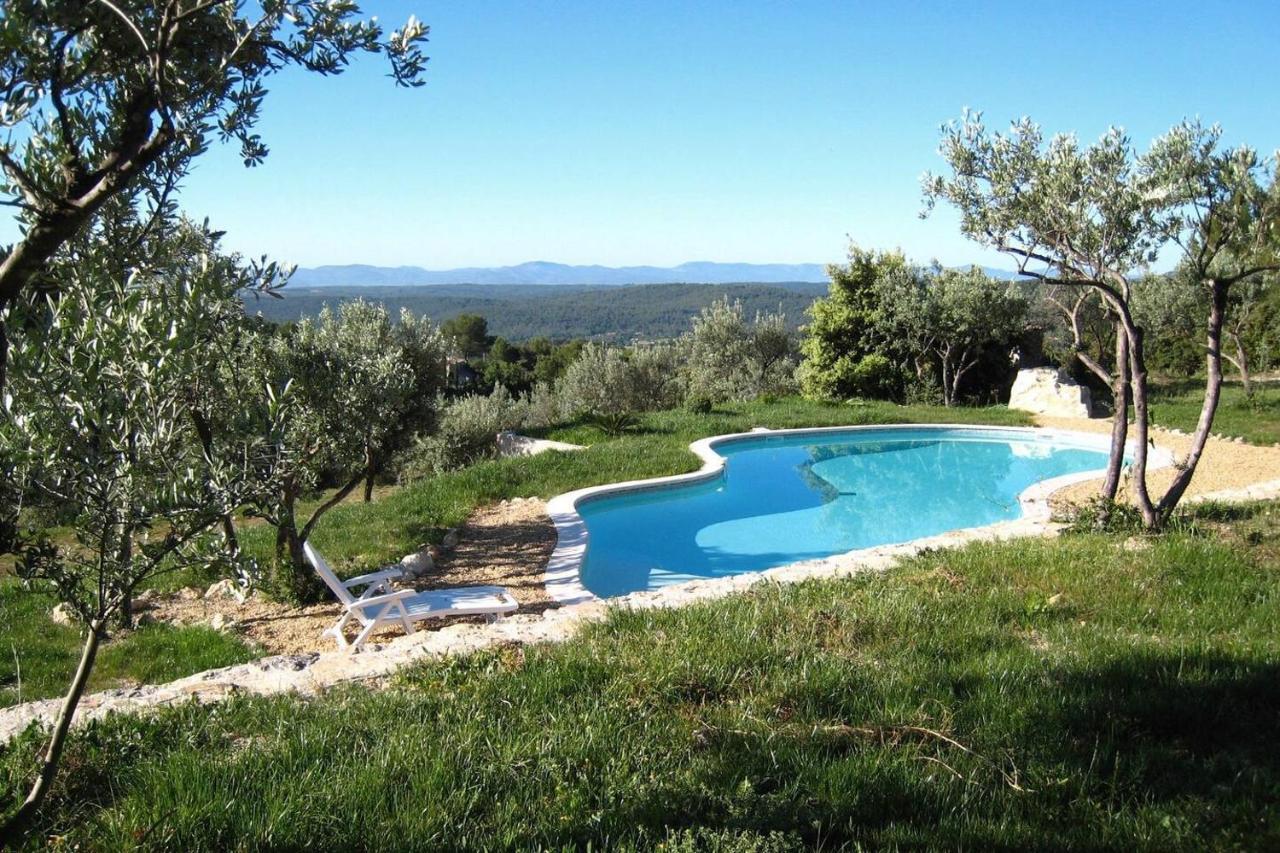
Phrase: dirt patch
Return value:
(1226, 464)
(506, 544)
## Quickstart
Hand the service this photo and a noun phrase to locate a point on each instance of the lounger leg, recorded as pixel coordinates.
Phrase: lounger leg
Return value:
(337, 628)
(368, 629)
(404, 618)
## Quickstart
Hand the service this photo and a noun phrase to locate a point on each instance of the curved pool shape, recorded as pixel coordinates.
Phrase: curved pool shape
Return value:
(786, 498)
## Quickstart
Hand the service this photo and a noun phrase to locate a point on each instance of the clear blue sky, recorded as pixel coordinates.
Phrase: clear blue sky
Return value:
(629, 133)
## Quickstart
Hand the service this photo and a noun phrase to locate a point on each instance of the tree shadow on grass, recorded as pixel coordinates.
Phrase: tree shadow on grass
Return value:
(1150, 751)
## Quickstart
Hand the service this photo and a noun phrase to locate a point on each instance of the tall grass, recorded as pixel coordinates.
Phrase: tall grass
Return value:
(1085, 693)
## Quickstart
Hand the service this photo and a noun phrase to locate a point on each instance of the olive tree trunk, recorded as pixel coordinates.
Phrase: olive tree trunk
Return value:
(1212, 393)
(1119, 419)
(22, 818)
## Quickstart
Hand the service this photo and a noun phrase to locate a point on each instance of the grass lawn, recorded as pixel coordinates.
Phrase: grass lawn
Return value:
(358, 536)
(1091, 692)
(38, 657)
(1177, 404)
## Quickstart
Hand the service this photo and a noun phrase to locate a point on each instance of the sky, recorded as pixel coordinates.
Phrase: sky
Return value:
(656, 133)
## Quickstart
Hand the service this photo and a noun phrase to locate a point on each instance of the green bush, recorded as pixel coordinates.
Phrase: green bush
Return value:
(467, 432)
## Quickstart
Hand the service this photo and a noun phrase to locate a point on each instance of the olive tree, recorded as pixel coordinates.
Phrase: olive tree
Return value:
(1093, 217)
(97, 418)
(950, 318)
(99, 98)
(611, 387)
(1221, 208)
(350, 384)
(728, 357)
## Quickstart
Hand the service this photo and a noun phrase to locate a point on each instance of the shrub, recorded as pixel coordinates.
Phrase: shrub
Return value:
(467, 432)
(728, 358)
(609, 387)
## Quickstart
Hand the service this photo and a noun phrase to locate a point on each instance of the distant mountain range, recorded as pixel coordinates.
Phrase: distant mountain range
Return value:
(547, 273)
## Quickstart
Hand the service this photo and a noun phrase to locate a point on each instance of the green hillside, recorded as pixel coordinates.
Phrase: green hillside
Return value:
(519, 312)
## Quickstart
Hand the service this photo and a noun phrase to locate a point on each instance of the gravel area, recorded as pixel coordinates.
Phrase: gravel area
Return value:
(506, 544)
(1226, 464)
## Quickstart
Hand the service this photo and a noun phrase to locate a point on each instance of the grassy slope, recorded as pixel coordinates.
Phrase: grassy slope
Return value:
(359, 536)
(1077, 693)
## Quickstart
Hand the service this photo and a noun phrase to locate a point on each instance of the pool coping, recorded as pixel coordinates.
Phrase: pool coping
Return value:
(562, 576)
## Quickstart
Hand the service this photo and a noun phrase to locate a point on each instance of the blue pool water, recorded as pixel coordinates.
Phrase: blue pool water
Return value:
(781, 499)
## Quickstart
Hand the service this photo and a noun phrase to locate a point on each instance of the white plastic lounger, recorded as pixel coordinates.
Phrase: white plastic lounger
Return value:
(380, 605)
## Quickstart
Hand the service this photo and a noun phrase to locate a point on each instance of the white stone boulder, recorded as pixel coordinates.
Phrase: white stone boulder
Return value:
(418, 563)
(63, 615)
(224, 623)
(1044, 391)
(512, 444)
(226, 589)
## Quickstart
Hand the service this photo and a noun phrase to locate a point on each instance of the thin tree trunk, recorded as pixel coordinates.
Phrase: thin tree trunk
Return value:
(369, 470)
(1141, 421)
(1212, 393)
(1241, 362)
(21, 819)
(1120, 419)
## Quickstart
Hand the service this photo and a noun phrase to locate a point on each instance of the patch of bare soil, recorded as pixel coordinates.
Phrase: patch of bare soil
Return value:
(506, 544)
(1224, 465)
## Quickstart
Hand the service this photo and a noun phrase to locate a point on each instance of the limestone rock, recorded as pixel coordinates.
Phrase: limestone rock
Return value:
(225, 589)
(1043, 391)
(511, 444)
(418, 563)
(63, 615)
(189, 593)
(450, 540)
(222, 622)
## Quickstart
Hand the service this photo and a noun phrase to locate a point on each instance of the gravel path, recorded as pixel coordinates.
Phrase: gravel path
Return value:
(1226, 464)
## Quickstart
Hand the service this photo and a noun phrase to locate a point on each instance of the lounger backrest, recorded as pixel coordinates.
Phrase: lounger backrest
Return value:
(326, 574)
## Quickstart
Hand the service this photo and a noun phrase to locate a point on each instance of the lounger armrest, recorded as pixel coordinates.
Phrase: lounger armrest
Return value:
(374, 577)
(387, 598)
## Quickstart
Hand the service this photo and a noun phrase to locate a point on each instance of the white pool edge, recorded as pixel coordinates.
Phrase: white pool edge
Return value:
(563, 579)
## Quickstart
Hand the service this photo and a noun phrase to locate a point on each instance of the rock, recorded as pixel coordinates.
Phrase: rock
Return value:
(418, 563)
(144, 620)
(1043, 391)
(63, 615)
(145, 597)
(189, 593)
(511, 444)
(226, 589)
(450, 540)
(222, 622)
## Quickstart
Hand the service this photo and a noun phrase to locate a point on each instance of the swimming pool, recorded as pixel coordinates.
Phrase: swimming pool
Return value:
(784, 497)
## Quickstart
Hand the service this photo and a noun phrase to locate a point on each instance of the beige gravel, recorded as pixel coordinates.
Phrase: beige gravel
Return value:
(1225, 464)
(506, 544)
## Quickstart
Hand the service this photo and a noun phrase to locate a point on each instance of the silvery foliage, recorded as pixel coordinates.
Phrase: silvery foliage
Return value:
(727, 357)
(352, 385)
(106, 98)
(612, 385)
(97, 415)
